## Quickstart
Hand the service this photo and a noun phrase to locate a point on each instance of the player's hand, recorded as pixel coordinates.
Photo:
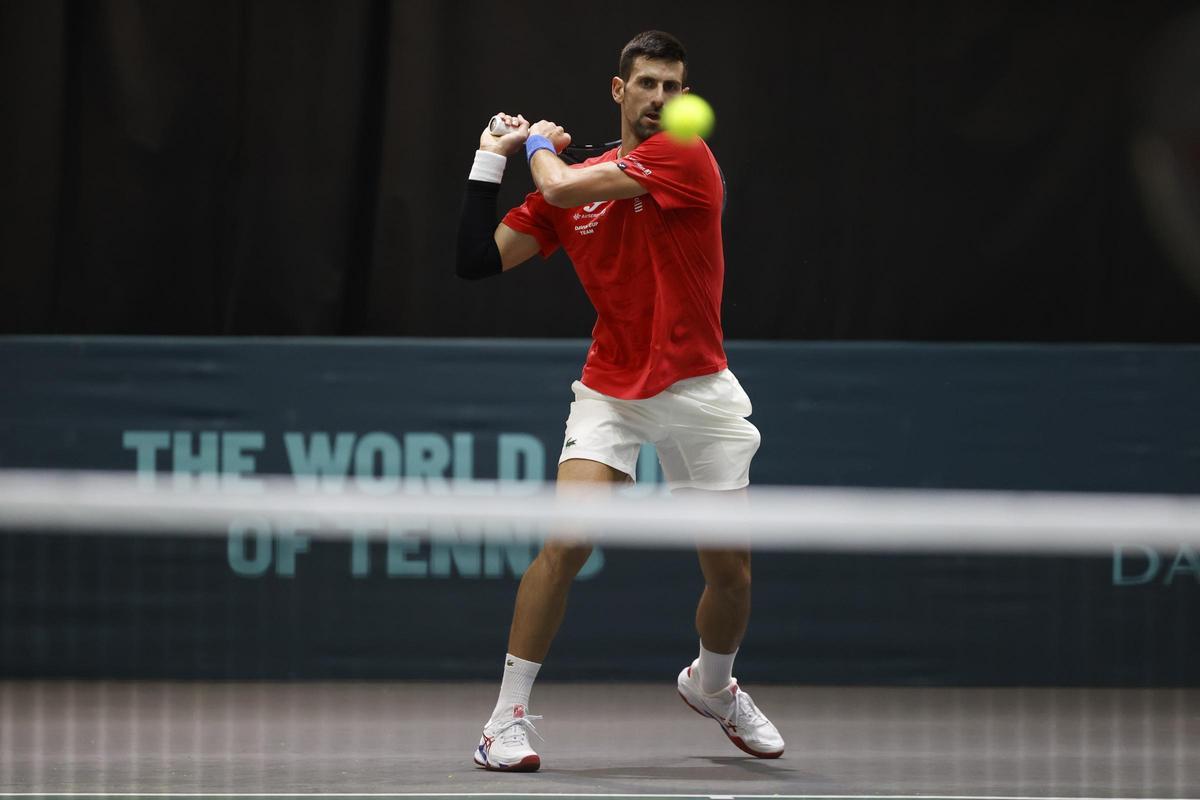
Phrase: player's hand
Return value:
(555, 133)
(510, 143)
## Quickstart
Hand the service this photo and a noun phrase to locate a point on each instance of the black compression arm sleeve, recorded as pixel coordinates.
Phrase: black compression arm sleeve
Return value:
(478, 256)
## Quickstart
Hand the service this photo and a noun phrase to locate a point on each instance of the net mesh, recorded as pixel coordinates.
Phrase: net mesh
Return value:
(193, 639)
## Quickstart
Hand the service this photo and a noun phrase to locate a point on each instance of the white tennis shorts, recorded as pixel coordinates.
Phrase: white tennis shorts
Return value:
(698, 425)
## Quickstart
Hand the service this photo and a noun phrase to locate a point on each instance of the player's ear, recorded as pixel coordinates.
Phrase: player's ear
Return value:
(618, 89)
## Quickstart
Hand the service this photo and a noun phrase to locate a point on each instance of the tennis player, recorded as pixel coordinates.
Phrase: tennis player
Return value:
(642, 225)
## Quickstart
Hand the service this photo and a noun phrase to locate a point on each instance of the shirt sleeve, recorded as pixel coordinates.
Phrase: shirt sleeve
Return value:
(534, 217)
(677, 175)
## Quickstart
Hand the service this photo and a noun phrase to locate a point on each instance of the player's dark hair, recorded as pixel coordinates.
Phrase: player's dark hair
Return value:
(658, 45)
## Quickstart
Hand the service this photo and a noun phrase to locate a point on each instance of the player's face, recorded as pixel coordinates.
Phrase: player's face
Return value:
(651, 84)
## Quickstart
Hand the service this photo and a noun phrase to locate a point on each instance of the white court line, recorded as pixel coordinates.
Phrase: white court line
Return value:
(584, 794)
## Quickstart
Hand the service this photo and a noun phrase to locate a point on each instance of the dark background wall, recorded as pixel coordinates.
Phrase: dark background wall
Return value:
(261, 600)
(911, 170)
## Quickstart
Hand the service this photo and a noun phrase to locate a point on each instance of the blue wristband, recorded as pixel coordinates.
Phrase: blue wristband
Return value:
(535, 143)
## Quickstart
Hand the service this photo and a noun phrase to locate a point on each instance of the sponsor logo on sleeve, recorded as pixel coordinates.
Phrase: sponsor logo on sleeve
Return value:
(624, 166)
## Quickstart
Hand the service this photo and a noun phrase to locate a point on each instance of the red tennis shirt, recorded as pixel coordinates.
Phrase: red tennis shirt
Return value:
(652, 266)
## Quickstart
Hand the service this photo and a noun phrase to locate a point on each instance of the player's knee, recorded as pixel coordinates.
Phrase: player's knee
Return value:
(565, 559)
(734, 579)
(728, 573)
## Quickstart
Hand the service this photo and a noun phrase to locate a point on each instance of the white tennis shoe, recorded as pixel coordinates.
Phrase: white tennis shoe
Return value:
(504, 745)
(732, 708)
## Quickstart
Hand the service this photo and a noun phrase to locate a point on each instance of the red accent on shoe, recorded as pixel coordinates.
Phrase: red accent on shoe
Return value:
(526, 764)
(518, 711)
(737, 740)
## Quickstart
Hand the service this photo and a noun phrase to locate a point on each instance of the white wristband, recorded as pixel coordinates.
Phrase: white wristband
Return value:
(488, 167)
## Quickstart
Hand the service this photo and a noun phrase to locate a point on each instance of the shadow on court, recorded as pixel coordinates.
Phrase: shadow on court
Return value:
(707, 769)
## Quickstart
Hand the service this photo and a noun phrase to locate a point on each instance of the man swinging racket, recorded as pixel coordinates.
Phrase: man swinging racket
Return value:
(642, 226)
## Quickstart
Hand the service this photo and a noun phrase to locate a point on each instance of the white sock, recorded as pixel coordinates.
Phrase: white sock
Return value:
(517, 684)
(716, 670)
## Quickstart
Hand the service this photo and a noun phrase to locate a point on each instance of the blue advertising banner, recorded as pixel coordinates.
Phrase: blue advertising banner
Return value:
(275, 601)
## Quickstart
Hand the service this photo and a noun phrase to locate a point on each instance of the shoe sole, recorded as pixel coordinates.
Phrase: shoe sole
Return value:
(737, 740)
(526, 764)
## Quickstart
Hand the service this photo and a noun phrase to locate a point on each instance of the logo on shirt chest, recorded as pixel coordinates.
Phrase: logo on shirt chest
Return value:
(588, 217)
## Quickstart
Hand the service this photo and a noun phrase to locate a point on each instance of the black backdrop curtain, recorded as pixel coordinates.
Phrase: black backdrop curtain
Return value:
(917, 170)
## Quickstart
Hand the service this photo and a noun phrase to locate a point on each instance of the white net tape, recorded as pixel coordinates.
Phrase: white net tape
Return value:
(777, 518)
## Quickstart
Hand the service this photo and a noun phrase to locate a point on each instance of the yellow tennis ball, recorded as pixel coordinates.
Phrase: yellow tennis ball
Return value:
(688, 116)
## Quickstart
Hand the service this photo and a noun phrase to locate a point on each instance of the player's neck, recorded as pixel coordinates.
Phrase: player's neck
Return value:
(628, 142)
(629, 139)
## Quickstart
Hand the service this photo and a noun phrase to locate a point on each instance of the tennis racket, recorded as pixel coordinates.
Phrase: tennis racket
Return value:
(572, 154)
(578, 153)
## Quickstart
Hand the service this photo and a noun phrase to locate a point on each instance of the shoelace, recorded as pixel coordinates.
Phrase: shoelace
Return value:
(744, 706)
(511, 731)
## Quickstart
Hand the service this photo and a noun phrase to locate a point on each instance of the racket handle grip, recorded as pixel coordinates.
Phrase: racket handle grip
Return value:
(497, 127)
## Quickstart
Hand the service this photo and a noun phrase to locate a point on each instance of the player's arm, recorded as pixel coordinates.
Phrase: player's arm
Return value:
(565, 187)
(514, 247)
(486, 248)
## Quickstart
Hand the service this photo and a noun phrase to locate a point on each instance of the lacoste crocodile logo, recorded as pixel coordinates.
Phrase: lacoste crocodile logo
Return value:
(570, 443)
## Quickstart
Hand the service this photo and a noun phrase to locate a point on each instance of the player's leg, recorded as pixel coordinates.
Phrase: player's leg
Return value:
(724, 607)
(708, 449)
(707, 684)
(537, 614)
(600, 448)
(542, 595)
